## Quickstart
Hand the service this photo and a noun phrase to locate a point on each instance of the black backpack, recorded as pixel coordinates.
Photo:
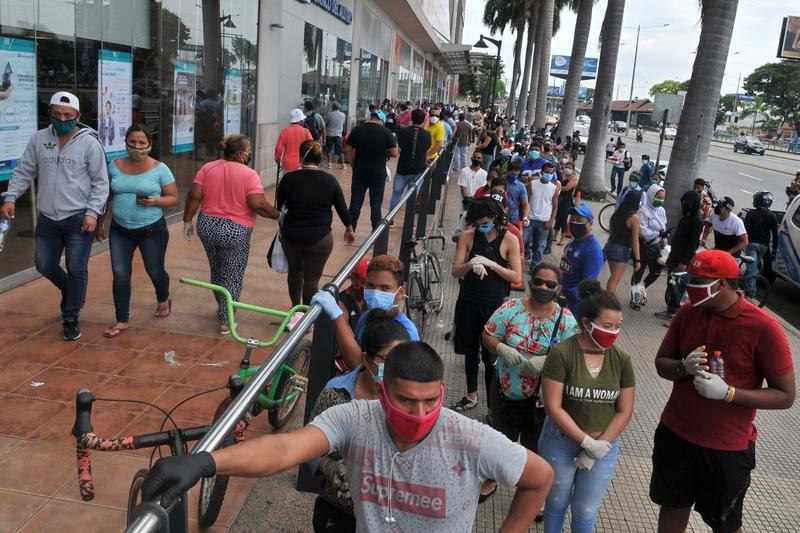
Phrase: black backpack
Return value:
(310, 124)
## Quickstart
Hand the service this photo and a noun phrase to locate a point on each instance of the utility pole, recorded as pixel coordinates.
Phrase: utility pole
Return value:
(635, 58)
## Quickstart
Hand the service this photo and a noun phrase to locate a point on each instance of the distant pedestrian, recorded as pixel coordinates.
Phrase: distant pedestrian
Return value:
(462, 137)
(621, 161)
(762, 236)
(413, 143)
(287, 149)
(334, 126)
(141, 187)
(69, 164)
(230, 196)
(373, 145)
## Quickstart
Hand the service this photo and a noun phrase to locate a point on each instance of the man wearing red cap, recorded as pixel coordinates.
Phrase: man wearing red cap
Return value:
(705, 444)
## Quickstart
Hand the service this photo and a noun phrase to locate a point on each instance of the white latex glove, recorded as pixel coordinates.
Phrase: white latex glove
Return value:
(583, 461)
(534, 365)
(188, 230)
(696, 362)
(479, 270)
(485, 261)
(711, 386)
(511, 356)
(328, 304)
(526, 222)
(597, 449)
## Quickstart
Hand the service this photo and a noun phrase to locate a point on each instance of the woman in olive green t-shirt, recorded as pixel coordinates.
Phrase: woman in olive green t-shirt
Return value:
(588, 388)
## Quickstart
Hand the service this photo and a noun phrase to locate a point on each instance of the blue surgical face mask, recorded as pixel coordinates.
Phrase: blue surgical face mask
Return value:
(376, 299)
(63, 127)
(377, 378)
(547, 176)
(533, 154)
(634, 186)
(486, 228)
(512, 178)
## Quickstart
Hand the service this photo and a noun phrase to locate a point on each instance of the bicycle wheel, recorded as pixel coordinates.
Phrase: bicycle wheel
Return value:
(604, 217)
(762, 288)
(415, 303)
(433, 275)
(212, 489)
(299, 360)
(135, 493)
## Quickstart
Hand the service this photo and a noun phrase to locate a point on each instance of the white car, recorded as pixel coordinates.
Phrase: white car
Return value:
(670, 133)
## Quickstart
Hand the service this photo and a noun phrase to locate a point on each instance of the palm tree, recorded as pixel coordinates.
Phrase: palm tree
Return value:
(579, 41)
(522, 104)
(499, 14)
(544, 63)
(537, 59)
(593, 172)
(690, 149)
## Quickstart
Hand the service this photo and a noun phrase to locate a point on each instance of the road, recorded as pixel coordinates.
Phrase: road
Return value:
(738, 175)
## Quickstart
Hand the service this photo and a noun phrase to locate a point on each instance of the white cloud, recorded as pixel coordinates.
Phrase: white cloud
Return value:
(664, 53)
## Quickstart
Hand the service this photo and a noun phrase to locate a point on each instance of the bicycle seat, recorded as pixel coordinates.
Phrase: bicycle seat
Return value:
(747, 259)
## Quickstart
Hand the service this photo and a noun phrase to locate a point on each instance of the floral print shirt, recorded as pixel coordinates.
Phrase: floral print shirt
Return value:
(513, 325)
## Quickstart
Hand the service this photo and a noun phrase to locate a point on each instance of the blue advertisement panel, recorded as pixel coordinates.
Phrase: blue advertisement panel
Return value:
(18, 120)
(183, 124)
(114, 100)
(559, 67)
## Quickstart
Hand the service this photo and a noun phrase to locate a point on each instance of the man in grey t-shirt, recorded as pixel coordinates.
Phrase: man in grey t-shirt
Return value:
(334, 122)
(411, 465)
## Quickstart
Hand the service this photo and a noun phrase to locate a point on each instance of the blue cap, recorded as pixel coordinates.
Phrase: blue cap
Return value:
(380, 114)
(582, 210)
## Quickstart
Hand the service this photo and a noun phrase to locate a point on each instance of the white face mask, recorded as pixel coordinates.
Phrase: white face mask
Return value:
(434, 119)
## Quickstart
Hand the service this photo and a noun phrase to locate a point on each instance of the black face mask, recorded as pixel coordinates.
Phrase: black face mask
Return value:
(476, 162)
(578, 230)
(543, 296)
(717, 211)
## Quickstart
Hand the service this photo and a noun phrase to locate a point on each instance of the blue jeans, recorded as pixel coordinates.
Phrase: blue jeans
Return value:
(399, 186)
(583, 490)
(535, 237)
(460, 157)
(758, 252)
(618, 173)
(676, 288)
(54, 237)
(152, 243)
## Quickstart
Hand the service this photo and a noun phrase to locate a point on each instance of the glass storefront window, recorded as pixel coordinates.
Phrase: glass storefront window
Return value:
(416, 78)
(403, 60)
(326, 69)
(183, 68)
(371, 82)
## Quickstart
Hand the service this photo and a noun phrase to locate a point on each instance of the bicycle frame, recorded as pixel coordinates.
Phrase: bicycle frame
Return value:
(267, 401)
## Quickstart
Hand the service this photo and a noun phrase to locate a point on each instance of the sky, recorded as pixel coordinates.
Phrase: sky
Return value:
(666, 52)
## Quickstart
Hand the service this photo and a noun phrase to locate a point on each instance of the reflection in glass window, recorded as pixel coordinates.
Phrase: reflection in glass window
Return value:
(416, 78)
(326, 69)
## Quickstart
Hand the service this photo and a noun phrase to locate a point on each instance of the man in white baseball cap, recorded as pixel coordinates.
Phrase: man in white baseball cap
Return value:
(70, 164)
(287, 149)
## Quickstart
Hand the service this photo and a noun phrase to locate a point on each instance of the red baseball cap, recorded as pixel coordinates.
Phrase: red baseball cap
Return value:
(360, 270)
(714, 264)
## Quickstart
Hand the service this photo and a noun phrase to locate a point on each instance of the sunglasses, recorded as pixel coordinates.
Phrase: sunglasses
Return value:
(550, 284)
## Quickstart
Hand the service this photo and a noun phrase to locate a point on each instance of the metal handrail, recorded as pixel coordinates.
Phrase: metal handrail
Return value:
(147, 521)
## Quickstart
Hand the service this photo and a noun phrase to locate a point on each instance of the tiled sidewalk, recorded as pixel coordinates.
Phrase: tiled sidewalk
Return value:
(40, 374)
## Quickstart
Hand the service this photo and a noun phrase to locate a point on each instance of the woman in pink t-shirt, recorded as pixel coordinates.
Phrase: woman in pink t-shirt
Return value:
(230, 196)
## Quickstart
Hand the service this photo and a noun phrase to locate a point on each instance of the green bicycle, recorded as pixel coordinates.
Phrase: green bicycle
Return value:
(279, 397)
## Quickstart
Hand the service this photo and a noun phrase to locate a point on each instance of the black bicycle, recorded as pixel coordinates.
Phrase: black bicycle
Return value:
(425, 289)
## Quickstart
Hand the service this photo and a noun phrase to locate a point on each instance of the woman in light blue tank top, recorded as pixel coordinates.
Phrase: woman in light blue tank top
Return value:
(140, 188)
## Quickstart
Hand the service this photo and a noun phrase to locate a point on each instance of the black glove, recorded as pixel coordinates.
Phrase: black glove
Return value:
(171, 476)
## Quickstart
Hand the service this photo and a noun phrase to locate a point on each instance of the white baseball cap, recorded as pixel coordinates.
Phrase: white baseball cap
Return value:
(66, 99)
(296, 115)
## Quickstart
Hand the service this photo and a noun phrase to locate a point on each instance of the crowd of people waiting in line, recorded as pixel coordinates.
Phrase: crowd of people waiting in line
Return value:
(556, 380)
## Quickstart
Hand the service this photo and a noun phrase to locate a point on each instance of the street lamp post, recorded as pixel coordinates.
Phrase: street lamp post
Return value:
(635, 57)
(495, 70)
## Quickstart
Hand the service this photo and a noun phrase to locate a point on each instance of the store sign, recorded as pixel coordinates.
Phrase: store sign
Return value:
(334, 8)
(114, 100)
(18, 120)
(183, 123)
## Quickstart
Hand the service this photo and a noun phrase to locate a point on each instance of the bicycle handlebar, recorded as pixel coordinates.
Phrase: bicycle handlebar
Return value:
(231, 305)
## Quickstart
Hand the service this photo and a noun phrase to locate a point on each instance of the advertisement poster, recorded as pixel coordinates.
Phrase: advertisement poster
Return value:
(233, 101)
(17, 100)
(789, 47)
(115, 71)
(183, 125)
(559, 67)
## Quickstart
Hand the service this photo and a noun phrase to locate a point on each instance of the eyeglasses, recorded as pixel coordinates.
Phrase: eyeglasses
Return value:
(550, 284)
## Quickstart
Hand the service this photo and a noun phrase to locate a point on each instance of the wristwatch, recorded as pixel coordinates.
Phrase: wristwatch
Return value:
(681, 368)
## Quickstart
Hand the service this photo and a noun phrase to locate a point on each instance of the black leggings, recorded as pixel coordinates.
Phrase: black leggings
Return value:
(306, 263)
(469, 320)
(649, 262)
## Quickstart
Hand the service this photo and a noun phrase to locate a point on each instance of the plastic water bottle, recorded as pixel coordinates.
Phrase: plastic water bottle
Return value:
(717, 364)
(5, 228)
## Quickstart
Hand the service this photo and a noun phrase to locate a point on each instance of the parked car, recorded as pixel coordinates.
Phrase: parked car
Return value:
(670, 133)
(619, 126)
(583, 130)
(786, 264)
(748, 145)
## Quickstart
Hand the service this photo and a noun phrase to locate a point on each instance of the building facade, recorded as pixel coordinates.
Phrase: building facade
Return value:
(195, 70)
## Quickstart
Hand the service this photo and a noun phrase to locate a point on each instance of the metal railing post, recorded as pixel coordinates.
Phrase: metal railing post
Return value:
(407, 234)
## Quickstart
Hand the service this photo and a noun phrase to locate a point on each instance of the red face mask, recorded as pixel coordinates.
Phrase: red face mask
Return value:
(410, 428)
(700, 292)
(604, 338)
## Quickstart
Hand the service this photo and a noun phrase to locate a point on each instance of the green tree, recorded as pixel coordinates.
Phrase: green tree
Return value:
(580, 39)
(669, 86)
(472, 85)
(778, 85)
(727, 104)
(499, 14)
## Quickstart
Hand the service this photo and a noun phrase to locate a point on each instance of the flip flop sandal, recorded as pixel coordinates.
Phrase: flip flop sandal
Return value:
(112, 333)
(164, 312)
(483, 497)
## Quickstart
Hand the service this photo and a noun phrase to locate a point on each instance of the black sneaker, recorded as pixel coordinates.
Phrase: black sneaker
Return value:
(665, 315)
(465, 404)
(72, 330)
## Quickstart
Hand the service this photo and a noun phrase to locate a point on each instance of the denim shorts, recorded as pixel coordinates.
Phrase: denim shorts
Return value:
(616, 252)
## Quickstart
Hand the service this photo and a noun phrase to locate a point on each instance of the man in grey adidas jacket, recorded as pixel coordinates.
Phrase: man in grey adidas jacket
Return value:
(70, 164)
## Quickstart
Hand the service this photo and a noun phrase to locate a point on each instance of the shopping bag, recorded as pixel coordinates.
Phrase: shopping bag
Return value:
(275, 256)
